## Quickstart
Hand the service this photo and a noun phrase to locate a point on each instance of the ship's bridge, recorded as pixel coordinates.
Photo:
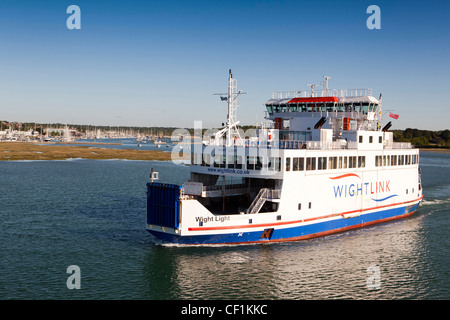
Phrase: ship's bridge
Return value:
(301, 110)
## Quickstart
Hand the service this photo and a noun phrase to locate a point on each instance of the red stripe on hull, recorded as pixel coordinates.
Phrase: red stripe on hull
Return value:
(296, 221)
(345, 175)
(324, 233)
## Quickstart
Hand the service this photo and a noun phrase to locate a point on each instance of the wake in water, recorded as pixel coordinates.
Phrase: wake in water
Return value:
(435, 202)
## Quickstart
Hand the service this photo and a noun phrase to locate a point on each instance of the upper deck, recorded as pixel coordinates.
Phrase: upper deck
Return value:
(315, 119)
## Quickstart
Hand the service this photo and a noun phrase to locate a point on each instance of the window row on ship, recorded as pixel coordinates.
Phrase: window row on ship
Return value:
(301, 163)
(321, 107)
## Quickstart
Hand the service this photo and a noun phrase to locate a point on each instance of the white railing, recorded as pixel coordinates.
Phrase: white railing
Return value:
(323, 93)
(311, 145)
(398, 145)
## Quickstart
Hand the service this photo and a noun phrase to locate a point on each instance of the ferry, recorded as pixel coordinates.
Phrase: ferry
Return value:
(321, 163)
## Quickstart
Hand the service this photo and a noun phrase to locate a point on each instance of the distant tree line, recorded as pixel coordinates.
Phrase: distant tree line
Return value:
(423, 138)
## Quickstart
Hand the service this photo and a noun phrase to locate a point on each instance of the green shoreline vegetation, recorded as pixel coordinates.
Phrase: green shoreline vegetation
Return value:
(424, 138)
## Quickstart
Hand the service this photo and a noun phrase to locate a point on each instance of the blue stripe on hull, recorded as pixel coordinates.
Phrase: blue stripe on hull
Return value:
(293, 233)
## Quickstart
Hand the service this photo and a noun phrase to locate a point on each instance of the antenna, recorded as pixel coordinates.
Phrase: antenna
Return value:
(312, 88)
(325, 84)
(231, 98)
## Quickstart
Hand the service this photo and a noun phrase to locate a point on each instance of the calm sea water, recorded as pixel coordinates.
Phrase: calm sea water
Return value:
(89, 213)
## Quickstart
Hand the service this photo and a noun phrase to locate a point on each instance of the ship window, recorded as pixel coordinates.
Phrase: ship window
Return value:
(278, 217)
(370, 139)
(288, 164)
(299, 206)
(360, 139)
(298, 164)
(361, 161)
(254, 163)
(310, 163)
(332, 163)
(251, 163)
(380, 139)
(238, 162)
(321, 163)
(377, 161)
(393, 160)
(259, 164)
(219, 160)
(310, 205)
(352, 162)
(270, 110)
(274, 164)
(340, 162)
(345, 163)
(206, 160)
(230, 162)
(250, 221)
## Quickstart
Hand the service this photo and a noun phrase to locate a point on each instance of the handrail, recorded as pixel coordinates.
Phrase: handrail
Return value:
(323, 93)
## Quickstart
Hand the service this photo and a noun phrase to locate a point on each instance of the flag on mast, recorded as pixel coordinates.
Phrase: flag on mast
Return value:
(393, 115)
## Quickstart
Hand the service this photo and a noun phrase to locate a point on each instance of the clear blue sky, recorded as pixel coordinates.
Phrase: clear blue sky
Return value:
(158, 63)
